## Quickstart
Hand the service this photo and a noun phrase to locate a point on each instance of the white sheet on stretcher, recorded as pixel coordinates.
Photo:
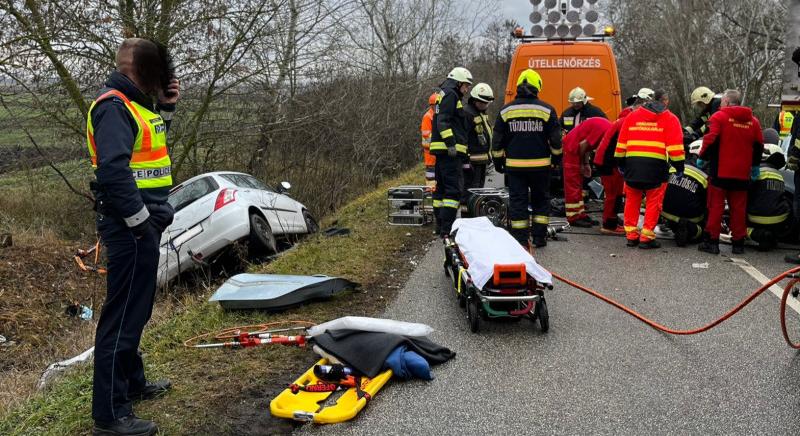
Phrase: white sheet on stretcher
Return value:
(485, 246)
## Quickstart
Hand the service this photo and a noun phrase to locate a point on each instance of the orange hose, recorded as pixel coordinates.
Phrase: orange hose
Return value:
(714, 323)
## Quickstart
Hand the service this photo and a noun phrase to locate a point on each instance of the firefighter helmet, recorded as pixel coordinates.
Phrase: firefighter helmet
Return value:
(531, 77)
(461, 75)
(646, 94)
(482, 92)
(769, 150)
(578, 95)
(695, 146)
(702, 94)
(433, 98)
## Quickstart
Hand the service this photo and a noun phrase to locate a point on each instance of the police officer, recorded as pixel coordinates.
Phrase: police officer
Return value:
(449, 145)
(126, 137)
(479, 135)
(526, 136)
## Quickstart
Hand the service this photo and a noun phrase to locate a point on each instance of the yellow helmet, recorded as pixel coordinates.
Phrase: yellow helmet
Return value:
(702, 94)
(531, 77)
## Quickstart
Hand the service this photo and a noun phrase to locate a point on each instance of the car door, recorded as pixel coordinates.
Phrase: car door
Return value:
(283, 208)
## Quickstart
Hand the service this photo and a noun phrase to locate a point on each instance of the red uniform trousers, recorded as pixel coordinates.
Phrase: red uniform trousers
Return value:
(613, 187)
(573, 182)
(633, 200)
(737, 201)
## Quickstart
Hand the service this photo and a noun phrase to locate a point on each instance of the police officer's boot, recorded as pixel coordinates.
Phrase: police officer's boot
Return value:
(738, 246)
(709, 245)
(125, 426)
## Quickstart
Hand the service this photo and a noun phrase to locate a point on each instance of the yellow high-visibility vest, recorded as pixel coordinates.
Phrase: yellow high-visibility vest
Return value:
(150, 163)
(785, 121)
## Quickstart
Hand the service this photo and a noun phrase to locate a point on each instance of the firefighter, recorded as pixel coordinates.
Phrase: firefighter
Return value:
(613, 183)
(706, 104)
(425, 129)
(792, 165)
(449, 145)
(783, 124)
(768, 209)
(649, 141)
(732, 150)
(527, 139)
(126, 137)
(684, 206)
(580, 109)
(479, 135)
(578, 144)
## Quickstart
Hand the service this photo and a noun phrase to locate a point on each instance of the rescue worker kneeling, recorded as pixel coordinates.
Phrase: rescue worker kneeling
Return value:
(684, 206)
(526, 136)
(578, 144)
(768, 209)
(649, 138)
(449, 145)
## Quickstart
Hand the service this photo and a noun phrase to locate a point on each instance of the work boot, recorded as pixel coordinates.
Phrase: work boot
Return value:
(151, 390)
(681, 232)
(126, 426)
(539, 241)
(792, 258)
(738, 246)
(632, 243)
(648, 245)
(583, 221)
(709, 246)
(618, 230)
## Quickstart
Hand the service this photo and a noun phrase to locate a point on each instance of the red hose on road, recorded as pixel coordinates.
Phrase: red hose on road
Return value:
(716, 322)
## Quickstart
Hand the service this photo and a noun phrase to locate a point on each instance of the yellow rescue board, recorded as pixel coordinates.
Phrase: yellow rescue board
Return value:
(305, 406)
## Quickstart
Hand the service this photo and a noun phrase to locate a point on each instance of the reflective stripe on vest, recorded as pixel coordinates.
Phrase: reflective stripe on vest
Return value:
(150, 163)
(785, 121)
(528, 163)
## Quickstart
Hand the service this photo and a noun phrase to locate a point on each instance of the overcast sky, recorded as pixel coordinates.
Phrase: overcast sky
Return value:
(518, 10)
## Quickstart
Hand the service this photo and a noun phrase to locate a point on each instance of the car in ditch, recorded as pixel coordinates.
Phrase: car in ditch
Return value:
(215, 210)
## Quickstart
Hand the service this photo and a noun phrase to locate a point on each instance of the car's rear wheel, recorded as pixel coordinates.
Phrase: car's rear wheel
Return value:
(311, 223)
(262, 241)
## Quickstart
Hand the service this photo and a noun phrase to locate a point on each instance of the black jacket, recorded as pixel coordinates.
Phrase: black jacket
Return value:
(699, 126)
(449, 124)
(568, 119)
(766, 200)
(115, 132)
(479, 134)
(686, 197)
(526, 130)
(794, 143)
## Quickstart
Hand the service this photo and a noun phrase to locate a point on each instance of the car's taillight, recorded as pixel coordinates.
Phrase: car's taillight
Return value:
(226, 196)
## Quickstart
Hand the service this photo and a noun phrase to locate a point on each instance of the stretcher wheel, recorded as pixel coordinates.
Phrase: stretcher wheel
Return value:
(473, 315)
(541, 314)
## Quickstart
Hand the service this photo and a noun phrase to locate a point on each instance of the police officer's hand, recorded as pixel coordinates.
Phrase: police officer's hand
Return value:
(452, 152)
(174, 91)
(142, 229)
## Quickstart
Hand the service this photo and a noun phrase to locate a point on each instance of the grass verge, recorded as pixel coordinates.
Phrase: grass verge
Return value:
(228, 392)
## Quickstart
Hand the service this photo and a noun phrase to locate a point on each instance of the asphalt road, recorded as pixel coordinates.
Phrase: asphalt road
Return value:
(599, 371)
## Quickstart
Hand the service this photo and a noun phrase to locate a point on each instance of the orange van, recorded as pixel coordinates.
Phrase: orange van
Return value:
(564, 65)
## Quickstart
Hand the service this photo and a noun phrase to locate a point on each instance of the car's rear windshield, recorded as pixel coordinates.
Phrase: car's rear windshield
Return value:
(246, 181)
(186, 194)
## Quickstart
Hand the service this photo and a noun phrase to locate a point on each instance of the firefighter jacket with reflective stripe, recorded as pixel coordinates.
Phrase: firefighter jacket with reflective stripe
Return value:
(479, 133)
(126, 139)
(766, 200)
(649, 140)
(699, 126)
(526, 133)
(686, 196)
(732, 146)
(449, 124)
(425, 129)
(570, 118)
(784, 124)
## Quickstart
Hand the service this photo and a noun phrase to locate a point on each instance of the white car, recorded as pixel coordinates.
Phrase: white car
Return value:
(214, 210)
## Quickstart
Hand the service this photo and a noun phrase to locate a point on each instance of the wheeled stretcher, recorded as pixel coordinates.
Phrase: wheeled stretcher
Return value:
(493, 276)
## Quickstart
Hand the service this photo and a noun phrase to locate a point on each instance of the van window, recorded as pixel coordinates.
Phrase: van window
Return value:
(184, 195)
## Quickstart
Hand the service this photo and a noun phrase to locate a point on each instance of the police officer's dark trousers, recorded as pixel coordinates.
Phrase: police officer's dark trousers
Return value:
(132, 269)
(529, 187)
(449, 187)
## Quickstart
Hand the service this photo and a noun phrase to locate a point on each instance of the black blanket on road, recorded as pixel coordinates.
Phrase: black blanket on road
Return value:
(367, 351)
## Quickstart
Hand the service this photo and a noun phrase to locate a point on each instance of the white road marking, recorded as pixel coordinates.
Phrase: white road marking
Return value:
(761, 278)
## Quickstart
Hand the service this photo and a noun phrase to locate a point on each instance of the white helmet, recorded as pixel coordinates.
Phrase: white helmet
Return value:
(460, 74)
(769, 150)
(578, 95)
(482, 92)
(694, 147)
(646, 94)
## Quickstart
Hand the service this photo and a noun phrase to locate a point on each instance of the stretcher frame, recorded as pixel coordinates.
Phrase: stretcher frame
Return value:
(510, 284)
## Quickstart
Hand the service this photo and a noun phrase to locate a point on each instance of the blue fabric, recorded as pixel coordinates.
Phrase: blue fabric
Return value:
(755, 171)
(407, 364)
(701, 163)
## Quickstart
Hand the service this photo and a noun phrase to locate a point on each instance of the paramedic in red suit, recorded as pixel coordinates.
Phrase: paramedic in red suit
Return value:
(732, 150)
(577, 145)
